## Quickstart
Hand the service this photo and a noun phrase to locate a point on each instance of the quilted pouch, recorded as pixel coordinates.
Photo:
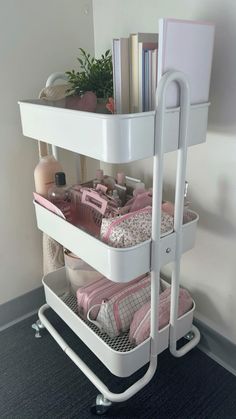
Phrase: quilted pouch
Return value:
(133, 228)
(116, 313)
(140, 325)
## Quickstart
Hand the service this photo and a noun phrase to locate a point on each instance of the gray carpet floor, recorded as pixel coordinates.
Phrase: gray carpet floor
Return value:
(39, 381)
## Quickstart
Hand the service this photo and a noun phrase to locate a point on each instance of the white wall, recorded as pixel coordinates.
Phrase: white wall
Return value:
(37, 38)
(209, 270)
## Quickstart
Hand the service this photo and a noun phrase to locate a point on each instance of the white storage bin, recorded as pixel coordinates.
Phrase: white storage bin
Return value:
(119, 265)
(117, 354)
(109, 138)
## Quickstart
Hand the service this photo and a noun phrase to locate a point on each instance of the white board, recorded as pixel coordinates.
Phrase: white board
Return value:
(186, 46)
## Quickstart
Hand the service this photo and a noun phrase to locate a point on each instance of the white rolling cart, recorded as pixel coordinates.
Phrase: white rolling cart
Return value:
(123, 139)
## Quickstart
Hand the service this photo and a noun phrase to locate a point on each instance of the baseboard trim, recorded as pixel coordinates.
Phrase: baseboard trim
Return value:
(21, 307)
(217, 347)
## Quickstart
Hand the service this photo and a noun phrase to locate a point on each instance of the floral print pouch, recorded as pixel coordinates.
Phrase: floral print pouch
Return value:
(133, 228)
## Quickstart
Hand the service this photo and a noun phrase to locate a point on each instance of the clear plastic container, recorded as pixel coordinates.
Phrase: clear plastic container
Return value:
(78, 272)
(60, 195)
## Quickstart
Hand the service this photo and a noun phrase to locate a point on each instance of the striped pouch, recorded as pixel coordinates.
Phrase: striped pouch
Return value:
(140, 325)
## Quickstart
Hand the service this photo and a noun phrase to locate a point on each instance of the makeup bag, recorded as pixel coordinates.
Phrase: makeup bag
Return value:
(133, 228)
(140, 200)
(78, 272)
(169, 208)
(140, 325)
(116, 313)
(92, 295)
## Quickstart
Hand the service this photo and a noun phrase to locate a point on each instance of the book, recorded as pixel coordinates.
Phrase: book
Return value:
(142, 47)
(186, 46)
(149, 80)
(146, 81)
(154, 79)
(134, 65)
(121, 79)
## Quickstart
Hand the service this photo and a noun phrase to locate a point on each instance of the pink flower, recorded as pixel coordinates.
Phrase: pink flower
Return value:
(111, 105)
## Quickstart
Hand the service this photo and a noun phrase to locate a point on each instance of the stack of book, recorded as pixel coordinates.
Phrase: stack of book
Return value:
(140, 60)
(135, 72)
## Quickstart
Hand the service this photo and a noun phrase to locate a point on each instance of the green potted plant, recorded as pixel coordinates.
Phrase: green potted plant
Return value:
(95, 75)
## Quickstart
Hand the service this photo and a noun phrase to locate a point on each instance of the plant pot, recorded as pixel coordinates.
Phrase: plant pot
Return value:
(86, 102)
(101, 105)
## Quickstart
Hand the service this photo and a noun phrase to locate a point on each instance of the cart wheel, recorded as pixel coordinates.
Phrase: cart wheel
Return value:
(99, 410)
(38, 326)
(189, 336)
(101, 406)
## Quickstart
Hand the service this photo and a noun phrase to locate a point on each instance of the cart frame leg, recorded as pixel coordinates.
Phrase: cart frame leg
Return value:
(110, 396)
(163, 85)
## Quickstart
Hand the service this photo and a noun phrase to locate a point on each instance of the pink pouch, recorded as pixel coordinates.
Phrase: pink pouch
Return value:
(140, 326)
(95, 293)
(169, 208)
(116, 313)
(132, 228)
(141, 200)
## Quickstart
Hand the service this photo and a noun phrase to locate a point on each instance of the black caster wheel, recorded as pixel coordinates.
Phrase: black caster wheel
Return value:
(189, 336)
(99, 410)
(38, 326)
(101, 406)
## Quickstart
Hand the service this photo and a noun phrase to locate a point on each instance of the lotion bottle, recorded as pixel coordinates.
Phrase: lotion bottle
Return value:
(44, 174)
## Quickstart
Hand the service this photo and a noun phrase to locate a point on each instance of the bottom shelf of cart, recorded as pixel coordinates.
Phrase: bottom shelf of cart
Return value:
(117, 354)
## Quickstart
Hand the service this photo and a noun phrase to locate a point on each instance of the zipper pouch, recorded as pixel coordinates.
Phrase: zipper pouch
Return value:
(93, 294)
(115, 315)
(133, 228)
(169, 208)
(139, 201)
(140, 325)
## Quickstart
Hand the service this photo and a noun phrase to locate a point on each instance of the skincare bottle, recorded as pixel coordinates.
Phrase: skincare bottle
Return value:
(44, 174)
(99, 178)
(110, 182)
(120, 178)
(116, 198)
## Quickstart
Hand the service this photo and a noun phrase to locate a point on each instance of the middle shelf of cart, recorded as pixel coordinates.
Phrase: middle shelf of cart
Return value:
(117, 264)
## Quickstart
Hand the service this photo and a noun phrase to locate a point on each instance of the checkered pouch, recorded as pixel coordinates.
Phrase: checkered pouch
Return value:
(115, 315)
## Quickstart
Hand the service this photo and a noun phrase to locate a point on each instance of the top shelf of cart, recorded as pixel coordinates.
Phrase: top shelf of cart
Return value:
(109, 138)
